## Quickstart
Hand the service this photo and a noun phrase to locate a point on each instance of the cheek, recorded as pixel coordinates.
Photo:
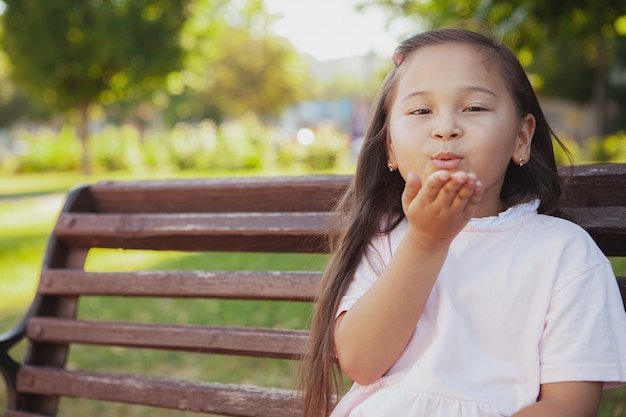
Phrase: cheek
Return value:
(406, 133)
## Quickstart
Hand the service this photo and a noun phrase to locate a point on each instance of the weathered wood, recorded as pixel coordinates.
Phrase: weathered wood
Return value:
(242, 341)
(587, 185)
(595, 185)
(62, 256)
(259, 285)
(202, 397)
(258, 232)
(223, 195)
(13, 413)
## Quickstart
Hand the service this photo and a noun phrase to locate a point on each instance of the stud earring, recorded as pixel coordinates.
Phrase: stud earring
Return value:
(521, 161)
(390, 166)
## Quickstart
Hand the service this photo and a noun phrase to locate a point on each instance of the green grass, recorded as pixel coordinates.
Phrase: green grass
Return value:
(25, 223)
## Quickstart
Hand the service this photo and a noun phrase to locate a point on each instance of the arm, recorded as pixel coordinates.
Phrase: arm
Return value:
(566, 399)
(371, 336)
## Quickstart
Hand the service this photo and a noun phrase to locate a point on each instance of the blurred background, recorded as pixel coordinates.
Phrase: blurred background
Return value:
(154, 87)
(140, 89)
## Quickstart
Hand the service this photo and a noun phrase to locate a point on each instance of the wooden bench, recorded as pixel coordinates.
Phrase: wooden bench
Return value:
(257, 215)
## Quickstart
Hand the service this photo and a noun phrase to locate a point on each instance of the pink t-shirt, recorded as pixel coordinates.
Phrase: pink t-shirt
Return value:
(522, 299)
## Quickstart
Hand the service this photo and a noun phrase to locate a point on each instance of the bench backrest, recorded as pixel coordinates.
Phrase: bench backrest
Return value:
(262, 215)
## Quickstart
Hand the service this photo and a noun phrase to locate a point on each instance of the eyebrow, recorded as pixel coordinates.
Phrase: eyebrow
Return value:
(471, 88)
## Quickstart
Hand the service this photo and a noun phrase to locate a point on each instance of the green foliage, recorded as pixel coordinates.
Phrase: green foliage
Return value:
(14, 102)
(574, 150)
(328, 145)
(611, 148)
(242, 144)
(46, 150)
(325, 152)
(234, 65)
(575, 48)
(186, 59)
(71, 52)
(564, 70)
(116, 149)
(246, 76)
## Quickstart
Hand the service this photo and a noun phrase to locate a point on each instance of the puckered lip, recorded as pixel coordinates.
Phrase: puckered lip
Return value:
(446, 156)
(447, 160)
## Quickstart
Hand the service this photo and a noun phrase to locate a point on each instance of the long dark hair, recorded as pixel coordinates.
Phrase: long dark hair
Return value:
(372, 203)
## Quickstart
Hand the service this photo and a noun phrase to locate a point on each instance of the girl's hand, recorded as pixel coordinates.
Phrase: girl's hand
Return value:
(438, 209)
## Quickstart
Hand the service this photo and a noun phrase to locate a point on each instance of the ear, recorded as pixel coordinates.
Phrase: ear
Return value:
(525, 135)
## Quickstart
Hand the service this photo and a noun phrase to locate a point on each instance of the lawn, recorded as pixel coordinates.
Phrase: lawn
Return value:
(26, 219)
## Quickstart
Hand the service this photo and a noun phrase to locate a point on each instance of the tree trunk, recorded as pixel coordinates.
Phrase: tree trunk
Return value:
(83, 136)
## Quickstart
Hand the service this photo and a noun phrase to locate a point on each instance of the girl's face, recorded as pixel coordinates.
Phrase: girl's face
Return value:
(452, 111)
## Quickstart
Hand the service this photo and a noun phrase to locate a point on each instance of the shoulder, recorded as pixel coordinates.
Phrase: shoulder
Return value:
(569, 248)
(550, 230)
(539, 236)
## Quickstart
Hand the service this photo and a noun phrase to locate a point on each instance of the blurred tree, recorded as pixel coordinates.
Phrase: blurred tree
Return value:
(572, 47)
(74, 53)
(234, 64)
(13, 103)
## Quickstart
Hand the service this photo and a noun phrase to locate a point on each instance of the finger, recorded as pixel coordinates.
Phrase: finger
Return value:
(434, 185)
(449, 193)
(472, 204)
(411, 188)
(465, 192)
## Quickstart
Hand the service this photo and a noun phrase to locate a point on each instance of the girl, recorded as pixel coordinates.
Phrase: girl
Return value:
(454, 290)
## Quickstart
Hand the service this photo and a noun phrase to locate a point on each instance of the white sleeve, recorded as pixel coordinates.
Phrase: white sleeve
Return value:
(369, 269)
(584, 338)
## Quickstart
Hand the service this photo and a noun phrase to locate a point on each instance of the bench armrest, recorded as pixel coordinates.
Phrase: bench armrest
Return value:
(8, 366)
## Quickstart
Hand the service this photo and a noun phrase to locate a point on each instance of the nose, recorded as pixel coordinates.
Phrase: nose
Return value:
(446, 128)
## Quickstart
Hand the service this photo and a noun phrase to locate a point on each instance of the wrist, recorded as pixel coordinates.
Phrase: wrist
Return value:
(426, 243)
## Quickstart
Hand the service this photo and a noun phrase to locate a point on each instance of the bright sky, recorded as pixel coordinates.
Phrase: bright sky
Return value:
(330, 29)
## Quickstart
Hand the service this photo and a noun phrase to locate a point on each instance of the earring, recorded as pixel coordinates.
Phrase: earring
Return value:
(521, 161)
(390, 166)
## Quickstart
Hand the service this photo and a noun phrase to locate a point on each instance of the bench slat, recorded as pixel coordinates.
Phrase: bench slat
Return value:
(258, 194)
(13, 413)
(260, 285)
(287, 232)
(255, 342)
(181, 395)
(606, 225)
(586, 185)
(260, 232)
(595, 185)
